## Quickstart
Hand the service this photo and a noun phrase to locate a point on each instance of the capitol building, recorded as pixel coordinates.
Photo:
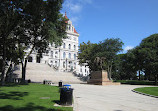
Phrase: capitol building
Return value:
(65, 57)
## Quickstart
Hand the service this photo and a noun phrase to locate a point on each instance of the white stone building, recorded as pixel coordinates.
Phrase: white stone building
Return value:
(64, 57)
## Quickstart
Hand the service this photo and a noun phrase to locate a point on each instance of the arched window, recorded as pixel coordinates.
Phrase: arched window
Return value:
(74, 56)
(69, 46)
(64, 45)
(74, 47)
(64, 55)
(69, 55)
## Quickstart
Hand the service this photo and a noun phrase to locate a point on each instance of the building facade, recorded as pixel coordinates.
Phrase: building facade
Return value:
(64, 57)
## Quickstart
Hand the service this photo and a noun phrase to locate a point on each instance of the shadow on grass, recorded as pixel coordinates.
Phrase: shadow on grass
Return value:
(11, 85)
(28, 107)
(14, 84)
(56, 101)
(13, 95)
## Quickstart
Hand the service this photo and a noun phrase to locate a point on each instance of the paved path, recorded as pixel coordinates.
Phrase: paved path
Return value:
(111, 98)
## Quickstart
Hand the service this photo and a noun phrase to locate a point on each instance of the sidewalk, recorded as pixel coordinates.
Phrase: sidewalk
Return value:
(111, 98)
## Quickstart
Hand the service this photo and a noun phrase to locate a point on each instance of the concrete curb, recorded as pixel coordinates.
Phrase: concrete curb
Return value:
(144, 94)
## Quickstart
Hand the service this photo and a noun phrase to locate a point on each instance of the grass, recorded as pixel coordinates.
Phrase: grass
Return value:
(135, 82)
(148, 90)
(32, 97)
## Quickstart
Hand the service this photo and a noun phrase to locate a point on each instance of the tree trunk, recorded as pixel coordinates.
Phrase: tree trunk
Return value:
(24, 70)
(110, 72)
(3, 63)
(156, 78)
(9, 73)
(139, 75)
(149, 77)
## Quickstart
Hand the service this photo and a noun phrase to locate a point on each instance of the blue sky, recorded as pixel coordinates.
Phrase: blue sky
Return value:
(129, 20)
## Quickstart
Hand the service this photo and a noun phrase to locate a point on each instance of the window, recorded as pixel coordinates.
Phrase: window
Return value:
(64, 55)
(51, 53)
(69, 55)
(55, 63)
(63, 64)
(74, 65)
(56, 56)
(69, 27)
(74, 47)
(69, 64)
(69, 46)
(80, 69)
(64, 45)
(74, 56)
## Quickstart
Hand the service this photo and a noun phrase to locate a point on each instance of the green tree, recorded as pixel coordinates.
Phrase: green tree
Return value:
(9, 20)
(109, 49)
(149, 46)
(37, 23)
(124, 66)
(87, 53)
(106, 49)
(42, 25)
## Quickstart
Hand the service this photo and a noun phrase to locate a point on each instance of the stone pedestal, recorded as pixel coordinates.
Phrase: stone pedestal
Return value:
(101, 78)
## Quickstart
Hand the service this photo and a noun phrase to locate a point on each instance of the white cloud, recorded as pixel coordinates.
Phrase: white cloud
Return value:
(128, 48)
(86, 1)
(76, 8)
(74, 19)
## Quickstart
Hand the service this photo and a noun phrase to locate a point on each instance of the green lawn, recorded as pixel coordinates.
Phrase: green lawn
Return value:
(148, 90)
(32, 97)
(135, 82)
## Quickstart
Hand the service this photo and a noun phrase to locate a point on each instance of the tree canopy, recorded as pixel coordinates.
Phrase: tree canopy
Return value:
(29, 24)
(143, 59)
(105, 51)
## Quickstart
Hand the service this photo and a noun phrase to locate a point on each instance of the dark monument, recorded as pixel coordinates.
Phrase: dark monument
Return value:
(101, 77)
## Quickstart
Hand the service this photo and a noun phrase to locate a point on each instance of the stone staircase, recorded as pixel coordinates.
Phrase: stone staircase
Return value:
(37, 72)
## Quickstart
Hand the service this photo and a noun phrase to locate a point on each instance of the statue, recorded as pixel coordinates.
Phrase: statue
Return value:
(99, 61)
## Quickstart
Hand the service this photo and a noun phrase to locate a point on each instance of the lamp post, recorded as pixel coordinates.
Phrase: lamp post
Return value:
(59, 58)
